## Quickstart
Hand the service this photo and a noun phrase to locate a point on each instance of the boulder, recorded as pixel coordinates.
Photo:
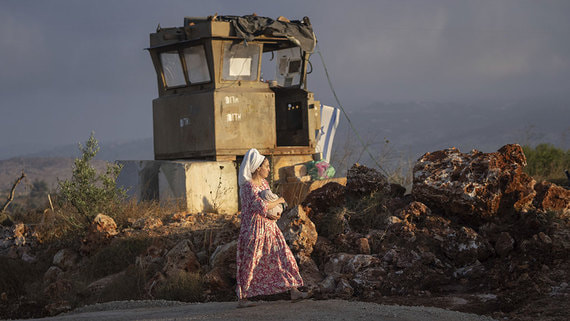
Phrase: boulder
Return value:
(473, 186)
(52, 274)
(504, 244)
(181, 258)
(65, 259)
(328, 285)
(224, 260)
(464, 246)
(363, 181)
(322, 199)
(224, 255)
(309, 272)
(104, 225)
(216, 280)
(344, 289)
(99, 233)
(414, 211)
(298, 230)
(551, 197)
(95, 288)
(336, 263)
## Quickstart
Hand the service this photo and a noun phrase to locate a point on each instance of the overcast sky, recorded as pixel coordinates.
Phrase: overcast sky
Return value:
(70, 67)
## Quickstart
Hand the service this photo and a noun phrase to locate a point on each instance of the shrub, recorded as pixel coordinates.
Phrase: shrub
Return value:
(88, 192)
(547, 162)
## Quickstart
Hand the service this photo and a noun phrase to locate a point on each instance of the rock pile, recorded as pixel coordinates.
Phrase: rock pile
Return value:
(474, 223)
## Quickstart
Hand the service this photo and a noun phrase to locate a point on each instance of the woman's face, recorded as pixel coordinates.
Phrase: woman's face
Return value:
(263, 170)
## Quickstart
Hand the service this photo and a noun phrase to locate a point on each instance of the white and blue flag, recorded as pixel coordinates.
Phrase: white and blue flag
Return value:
(330, 117)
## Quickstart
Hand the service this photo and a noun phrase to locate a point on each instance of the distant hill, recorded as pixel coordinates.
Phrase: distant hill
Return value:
(109, 151)
(48, 169)
(415, 128)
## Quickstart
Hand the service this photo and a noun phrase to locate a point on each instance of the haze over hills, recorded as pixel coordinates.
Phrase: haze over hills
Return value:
(415, 128)
(412, 129)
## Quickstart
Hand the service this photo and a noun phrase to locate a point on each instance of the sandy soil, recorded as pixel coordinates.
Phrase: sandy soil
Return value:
(325, 310)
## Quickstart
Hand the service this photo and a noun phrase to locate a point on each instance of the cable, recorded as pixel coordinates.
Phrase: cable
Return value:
(346, 115)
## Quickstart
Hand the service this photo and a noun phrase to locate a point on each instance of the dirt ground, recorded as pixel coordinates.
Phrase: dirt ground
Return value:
(326, 310)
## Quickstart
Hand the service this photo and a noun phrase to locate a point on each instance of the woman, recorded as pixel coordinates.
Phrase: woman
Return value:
(265, 265)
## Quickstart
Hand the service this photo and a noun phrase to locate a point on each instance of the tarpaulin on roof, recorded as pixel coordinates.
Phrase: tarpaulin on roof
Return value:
(298, 32)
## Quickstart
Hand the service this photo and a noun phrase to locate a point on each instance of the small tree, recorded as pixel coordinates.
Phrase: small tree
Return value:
(88, 192)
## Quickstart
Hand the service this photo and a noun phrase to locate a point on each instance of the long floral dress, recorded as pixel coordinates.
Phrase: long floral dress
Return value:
(265, 264)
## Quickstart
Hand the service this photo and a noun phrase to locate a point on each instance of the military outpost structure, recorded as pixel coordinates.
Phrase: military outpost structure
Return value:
(216, 101)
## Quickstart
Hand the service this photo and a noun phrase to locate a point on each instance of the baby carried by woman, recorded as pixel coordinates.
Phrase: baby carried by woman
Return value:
(268, 196)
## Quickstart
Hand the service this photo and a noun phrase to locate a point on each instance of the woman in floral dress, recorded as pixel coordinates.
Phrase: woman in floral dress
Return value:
(265, 264)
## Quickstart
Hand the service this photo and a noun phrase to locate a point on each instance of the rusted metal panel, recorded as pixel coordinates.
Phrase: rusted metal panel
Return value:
(183, 124)
(244, 119)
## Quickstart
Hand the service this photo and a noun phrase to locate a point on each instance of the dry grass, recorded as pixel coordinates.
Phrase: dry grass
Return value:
(130, 286)
(185, 287)
(116, 257)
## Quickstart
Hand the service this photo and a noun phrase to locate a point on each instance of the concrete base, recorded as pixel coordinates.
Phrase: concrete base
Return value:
(196, 186)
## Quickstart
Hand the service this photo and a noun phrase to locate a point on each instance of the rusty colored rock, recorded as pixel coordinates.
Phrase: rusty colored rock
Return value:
(101, 230)
(363, 181)
(19, 230)
(298, 230)
(363, 246)
(550, 196)
(322, 199)
(473, 186)
(104, 224)
(414, 211)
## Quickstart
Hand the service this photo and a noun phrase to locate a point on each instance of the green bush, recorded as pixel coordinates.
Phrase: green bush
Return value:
(87, 191)
(547, 162)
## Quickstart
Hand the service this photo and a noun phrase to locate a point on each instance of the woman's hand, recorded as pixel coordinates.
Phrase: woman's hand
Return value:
(273, 217)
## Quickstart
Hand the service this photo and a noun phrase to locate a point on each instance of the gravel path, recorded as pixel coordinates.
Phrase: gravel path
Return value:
(325, 310)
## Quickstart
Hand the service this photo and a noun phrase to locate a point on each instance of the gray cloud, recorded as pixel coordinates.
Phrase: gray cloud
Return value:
(69, 67)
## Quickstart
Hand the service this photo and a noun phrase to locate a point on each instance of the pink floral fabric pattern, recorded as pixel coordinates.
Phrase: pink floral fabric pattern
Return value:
(265, 264)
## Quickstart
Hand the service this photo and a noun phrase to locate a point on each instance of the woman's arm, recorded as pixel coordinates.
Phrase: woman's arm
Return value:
(272, 204)
(256, 203)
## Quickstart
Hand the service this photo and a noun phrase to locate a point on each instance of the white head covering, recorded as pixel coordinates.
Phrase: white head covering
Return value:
(251, 162)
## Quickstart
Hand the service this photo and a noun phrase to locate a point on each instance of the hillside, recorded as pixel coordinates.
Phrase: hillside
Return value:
(415, 127)
(48, 169)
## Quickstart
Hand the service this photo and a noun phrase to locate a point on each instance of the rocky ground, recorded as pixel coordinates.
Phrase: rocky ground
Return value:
(475, 234)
